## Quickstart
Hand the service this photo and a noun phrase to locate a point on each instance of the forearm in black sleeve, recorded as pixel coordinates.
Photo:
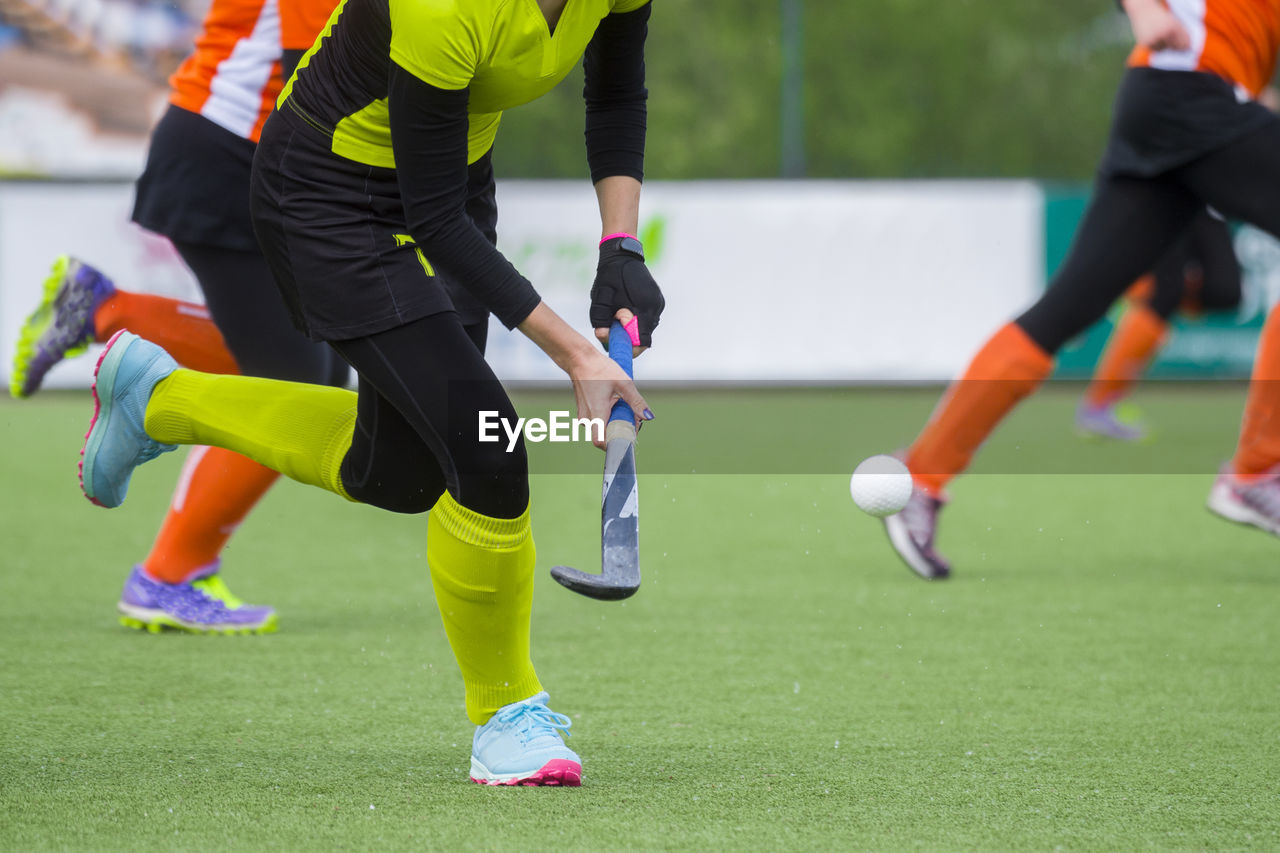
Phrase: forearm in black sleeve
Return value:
(429, 139)
(615, 95)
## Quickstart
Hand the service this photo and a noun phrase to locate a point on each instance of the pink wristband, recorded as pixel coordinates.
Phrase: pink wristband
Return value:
(603, 240)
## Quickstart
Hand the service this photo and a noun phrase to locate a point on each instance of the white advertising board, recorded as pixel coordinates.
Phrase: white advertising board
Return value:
(765, 281)
(39, 221)
(830, 281)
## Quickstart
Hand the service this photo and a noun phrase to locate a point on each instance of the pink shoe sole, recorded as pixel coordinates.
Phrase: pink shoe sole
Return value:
(559, 772)
(97, 408)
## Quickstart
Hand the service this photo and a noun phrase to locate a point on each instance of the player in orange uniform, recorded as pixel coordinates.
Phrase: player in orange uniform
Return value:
(1186, 133)
(195, 191)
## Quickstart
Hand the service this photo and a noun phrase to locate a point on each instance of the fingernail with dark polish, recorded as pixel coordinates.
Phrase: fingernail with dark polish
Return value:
(648, 415)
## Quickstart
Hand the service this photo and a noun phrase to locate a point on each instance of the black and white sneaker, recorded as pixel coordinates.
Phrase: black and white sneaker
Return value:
(912, 531)
(1256, 503)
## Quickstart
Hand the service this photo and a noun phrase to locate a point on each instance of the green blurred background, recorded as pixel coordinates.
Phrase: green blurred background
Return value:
(895, 88)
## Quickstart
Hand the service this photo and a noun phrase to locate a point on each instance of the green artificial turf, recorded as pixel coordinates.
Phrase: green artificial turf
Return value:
(1103, 671)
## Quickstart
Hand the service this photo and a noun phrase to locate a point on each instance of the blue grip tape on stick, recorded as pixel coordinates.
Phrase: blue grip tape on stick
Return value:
(620, 351)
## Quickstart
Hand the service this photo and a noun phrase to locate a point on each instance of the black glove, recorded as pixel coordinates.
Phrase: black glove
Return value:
(623, 281)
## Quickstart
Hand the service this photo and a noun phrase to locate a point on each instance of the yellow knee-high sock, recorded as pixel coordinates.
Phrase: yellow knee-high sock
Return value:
(482, 571)
(303, 431)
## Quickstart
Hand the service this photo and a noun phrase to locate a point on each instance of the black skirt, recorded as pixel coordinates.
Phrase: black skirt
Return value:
(333, 231)
(1166, 119)
(195, 187)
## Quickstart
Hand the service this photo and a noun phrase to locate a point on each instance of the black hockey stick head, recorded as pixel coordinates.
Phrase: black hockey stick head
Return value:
(619, 576)
(599, 587)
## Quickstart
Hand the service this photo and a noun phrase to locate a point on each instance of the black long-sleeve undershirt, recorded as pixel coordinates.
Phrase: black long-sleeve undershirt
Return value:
(429, 137)
(615, 96)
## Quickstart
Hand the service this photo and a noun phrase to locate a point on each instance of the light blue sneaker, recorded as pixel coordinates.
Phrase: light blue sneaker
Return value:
(116, 442)
(521, 745)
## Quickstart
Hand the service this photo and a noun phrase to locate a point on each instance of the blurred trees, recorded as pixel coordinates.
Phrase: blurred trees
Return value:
(893, 88)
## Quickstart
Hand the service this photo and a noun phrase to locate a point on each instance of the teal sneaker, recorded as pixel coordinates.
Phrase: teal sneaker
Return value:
(521, 745)
(116, 442)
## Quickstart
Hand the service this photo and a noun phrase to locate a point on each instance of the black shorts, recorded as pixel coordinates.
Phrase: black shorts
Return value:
(195, 187)
(1166, 119)
(334, 233)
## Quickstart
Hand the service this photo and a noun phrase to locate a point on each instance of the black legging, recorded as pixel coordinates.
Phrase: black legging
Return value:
(1200, 269)
(1131, 222)
(247, 308)
(417, 424)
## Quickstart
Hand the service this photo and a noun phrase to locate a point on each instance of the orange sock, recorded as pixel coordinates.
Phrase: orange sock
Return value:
(1135, 341)
(1259, 447)
(214, 494)
(183, 328)
(1007, 368)
(1141, 290)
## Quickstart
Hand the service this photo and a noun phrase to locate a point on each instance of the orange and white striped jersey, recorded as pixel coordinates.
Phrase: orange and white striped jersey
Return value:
(233, 78)
(1235, 39)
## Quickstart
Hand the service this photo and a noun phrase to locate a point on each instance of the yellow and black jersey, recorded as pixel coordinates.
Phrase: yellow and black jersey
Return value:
(397, 105)
(502, 52)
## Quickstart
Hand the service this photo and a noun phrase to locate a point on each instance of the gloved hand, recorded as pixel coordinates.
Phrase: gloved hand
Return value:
(623, 281)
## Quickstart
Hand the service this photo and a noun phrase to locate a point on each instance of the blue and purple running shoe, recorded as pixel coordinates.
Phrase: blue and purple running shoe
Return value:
(62, 324)
(200, 605)
(1110, 422)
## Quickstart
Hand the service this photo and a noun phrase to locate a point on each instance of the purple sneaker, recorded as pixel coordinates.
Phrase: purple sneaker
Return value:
(911, 532)
(200, 605)
(62, 324)
(1256, 503)
(1104, 422)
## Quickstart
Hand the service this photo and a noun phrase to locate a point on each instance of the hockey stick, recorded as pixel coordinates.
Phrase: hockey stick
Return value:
(619, 506)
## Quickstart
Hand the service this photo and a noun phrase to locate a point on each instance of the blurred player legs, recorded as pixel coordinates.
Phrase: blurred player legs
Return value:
(1199, 274)
(217, 488)
(1131, 222)
(194, 190)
